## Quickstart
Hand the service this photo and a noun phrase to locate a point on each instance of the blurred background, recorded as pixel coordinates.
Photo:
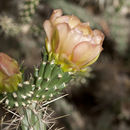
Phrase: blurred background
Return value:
(98, 99)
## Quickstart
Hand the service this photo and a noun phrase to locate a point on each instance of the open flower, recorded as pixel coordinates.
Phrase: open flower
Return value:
(71, 43)
(10, 76)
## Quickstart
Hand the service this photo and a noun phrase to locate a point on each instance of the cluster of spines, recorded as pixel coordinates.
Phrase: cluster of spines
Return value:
(48, 82)
(21, 97)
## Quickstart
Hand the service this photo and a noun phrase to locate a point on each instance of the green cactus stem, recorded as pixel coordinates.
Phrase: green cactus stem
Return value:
(32, 119)
(48, 81)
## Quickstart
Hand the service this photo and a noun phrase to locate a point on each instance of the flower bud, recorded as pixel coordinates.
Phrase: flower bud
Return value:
(71, 43)
(10, 76)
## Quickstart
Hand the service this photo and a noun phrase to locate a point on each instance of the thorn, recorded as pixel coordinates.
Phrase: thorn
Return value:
(46, 89)
(33, 85)
(43, 62)
(39, 88)
(21, 118)
(36, 69)
(51, 95)
(31, 92)
(29, 95)
(23, 104)
(26, 83)
(13, 113)
(52, 62)
(5, 93)
(48, 79)
(9, 107)
(43, 96)
(16, 104)
(34, 101)
(7, 101)
(20, 85)
(35, 111)
(39, 78)
(3, 99)
(55, 88)
(59, 76)
(70, 73)
(29, 101)
(54, 100)
(37, 96)
(64, 84)
(24, 97)
(14, 95)
(27, 105)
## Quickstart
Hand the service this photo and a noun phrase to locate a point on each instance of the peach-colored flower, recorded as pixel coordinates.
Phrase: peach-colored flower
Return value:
(10, 75)
(73, 44)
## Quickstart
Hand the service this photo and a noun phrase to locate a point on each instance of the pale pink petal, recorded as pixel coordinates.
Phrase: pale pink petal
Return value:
(75, 36)
(73, 21)
(72, 39)
(84, 52)
(98, 37)
(8, 65)
(55, 14)
(62, 19)
(63, 30)
(48, 29)
(84, 28)
(86, 38)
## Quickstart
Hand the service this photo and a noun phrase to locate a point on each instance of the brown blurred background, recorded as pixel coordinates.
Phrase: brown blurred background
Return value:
(98, 99)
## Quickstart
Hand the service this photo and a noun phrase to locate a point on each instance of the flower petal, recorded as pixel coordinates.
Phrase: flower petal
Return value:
(98, 37)
(73, 21)
(55, 14)
(84, 52)
(8, 65)
(63, 30)
(72, 39)
(84, 28)
(55, 40)
(48, 29)
(62, 19)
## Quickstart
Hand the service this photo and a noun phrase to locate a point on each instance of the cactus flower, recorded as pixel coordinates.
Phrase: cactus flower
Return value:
(10, 76)
(71, 43)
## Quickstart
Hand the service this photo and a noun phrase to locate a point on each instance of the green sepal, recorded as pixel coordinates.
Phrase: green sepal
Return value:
(9, 84)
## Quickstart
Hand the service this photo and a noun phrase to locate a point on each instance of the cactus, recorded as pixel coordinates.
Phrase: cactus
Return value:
(56, 69)
(47, 82)
(32, 119)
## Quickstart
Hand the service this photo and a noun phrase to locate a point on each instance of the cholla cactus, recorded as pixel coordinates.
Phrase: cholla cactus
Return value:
(28, 10)
(71, 47)
(8, 26)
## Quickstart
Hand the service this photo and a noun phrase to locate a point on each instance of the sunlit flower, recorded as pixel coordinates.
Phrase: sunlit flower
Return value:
(71, 43)
(10, 76)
